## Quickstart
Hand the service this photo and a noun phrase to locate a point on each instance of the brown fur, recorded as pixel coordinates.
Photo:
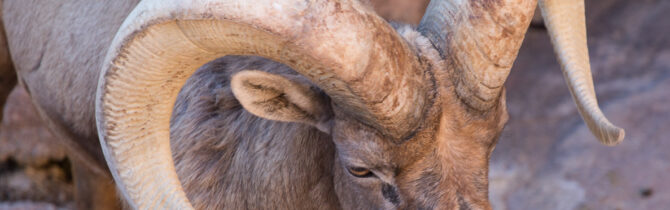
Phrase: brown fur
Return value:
(427, 171)
(227, 157)
(93, 190)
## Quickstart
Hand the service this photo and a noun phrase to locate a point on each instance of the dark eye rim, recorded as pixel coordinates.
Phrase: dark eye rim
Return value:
(365, 173)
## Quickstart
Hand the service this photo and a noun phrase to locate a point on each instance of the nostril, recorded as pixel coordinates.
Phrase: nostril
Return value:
(646, 192)
(390, 193)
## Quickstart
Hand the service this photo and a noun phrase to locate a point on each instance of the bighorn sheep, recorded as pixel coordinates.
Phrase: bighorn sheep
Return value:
(362, 115)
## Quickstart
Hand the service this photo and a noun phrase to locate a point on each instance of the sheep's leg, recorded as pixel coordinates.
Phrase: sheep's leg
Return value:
(7, 83)
(93, 190)
(7, 73)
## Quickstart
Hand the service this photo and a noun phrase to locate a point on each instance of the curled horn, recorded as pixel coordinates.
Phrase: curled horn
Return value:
(343, 47)
(480, 40)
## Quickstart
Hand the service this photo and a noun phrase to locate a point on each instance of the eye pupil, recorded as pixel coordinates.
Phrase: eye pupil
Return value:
(360, 172)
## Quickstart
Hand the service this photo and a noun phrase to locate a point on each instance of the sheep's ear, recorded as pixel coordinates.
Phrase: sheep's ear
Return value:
(275, 97)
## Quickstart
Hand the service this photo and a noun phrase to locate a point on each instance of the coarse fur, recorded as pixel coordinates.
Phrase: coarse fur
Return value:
(227, 157)
(224, 155)
(244, 154)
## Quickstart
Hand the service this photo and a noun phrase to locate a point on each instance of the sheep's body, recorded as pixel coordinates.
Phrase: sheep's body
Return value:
(57, 48)
(411, 125)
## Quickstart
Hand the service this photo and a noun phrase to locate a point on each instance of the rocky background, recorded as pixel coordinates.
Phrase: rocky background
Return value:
(34, 170)
(546, 157)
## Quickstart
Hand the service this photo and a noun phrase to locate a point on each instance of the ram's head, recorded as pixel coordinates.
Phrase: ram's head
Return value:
(414, 115)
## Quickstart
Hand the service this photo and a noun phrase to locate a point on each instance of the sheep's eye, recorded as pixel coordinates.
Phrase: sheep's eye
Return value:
(360, 172)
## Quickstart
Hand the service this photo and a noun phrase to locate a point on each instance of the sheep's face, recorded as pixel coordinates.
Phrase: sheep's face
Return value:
(444, 165)
(385, 80)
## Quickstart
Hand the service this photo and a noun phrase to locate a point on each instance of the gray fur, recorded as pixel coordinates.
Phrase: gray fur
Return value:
(227, 157)
(222, 151)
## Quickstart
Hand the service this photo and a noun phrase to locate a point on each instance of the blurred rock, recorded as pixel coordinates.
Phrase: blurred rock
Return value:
(547, 159)
(33, 167)
(30, 205)
(23, 135)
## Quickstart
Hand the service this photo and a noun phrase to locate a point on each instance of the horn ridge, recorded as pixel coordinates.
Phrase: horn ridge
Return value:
(347, 50)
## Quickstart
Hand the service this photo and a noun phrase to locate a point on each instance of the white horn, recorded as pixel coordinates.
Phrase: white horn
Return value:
(566, 24)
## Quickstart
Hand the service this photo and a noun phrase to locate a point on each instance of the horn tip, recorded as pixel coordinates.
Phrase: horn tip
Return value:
(611, 135)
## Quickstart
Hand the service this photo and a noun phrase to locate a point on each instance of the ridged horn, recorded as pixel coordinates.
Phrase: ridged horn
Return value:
(343, 47)
(565, 22)
(479, 40)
